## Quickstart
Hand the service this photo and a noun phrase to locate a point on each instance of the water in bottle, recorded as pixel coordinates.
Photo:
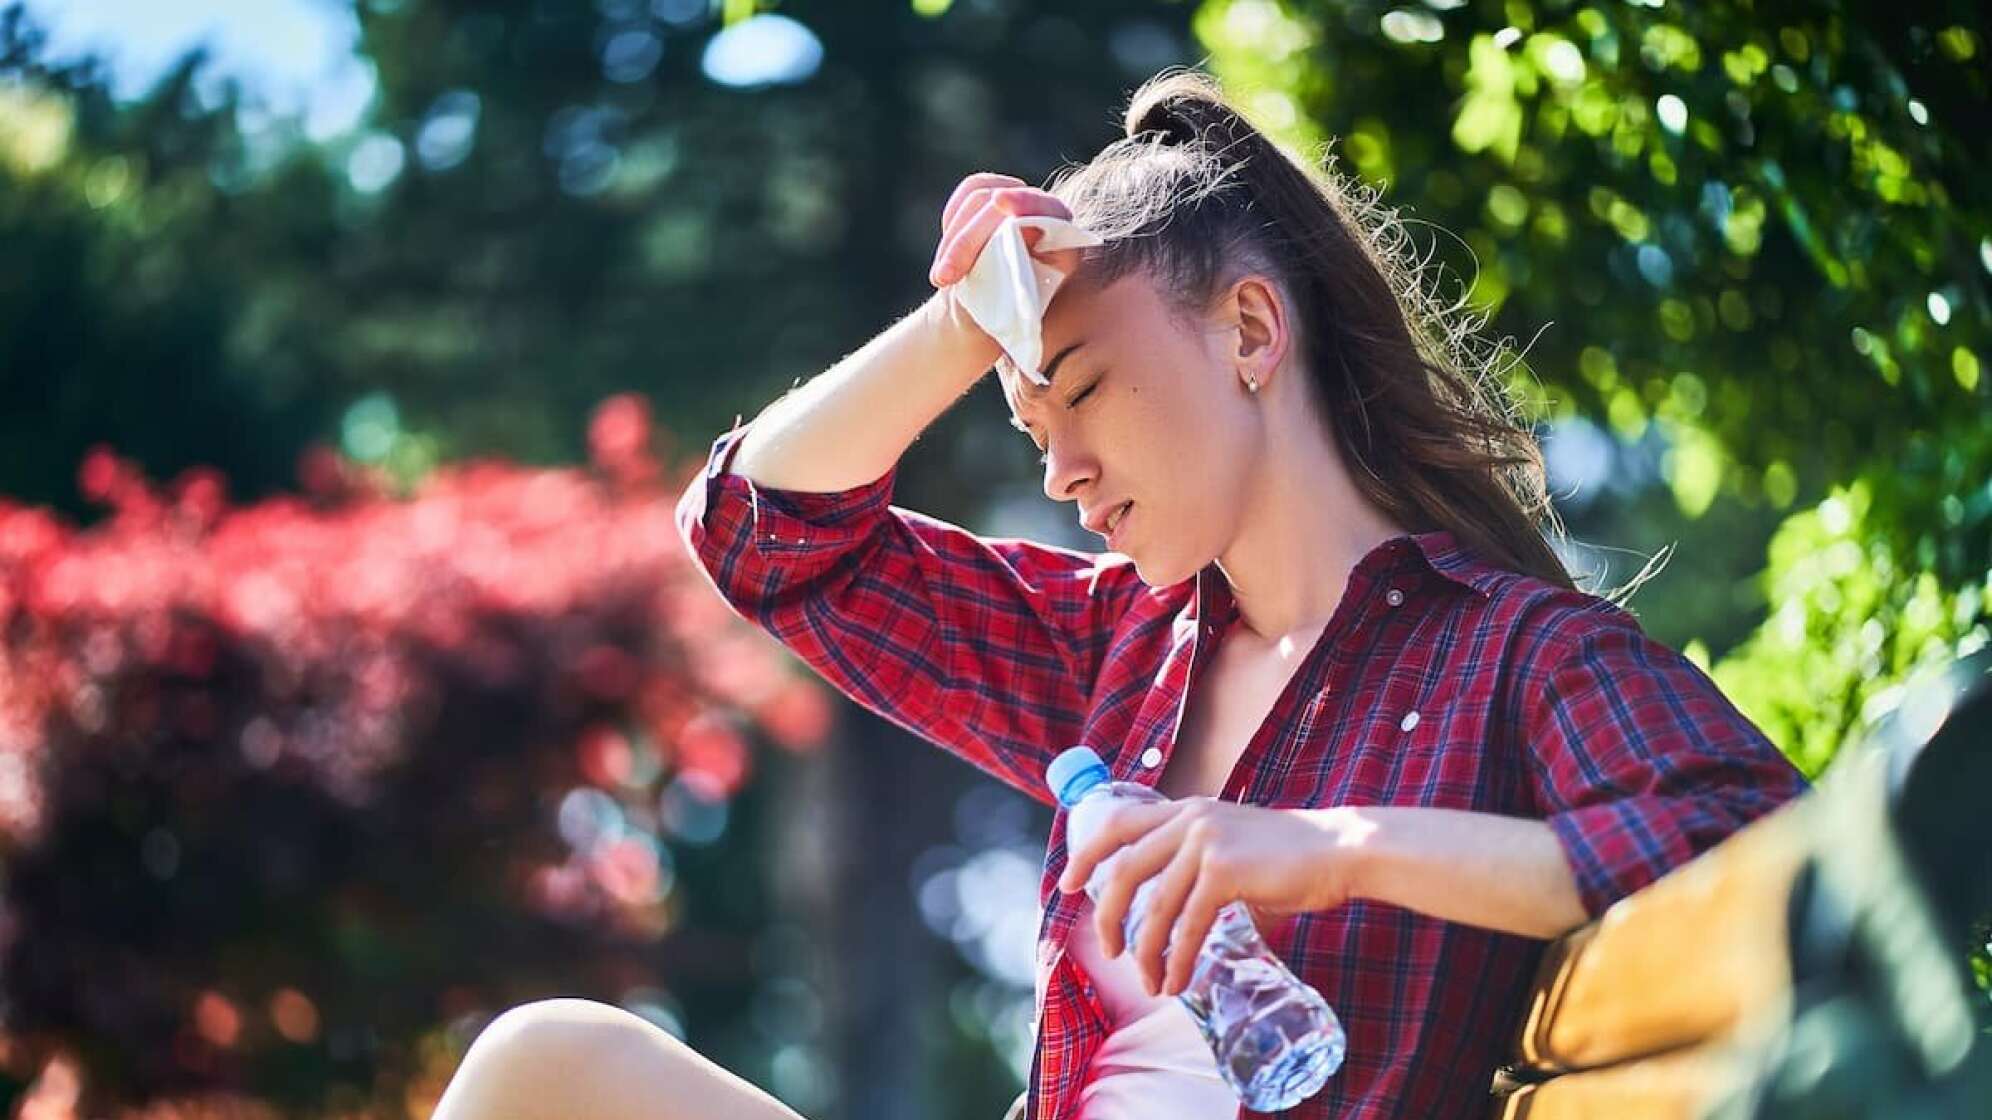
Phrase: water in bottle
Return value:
(1275, 1039)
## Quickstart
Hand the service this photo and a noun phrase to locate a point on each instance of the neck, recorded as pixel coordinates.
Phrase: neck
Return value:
(1304, 529)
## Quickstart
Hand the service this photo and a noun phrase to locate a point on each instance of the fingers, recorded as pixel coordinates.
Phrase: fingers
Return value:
(1123, 825)
(1131, 868)
(1192, 927)
(1158, 919)
(981, 211)
(964, 241)
(1110, 916)
(981, 180)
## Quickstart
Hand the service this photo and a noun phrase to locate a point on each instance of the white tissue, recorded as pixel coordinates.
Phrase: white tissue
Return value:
(1007, 290)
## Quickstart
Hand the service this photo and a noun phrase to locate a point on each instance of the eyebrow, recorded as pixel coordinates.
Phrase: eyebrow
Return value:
(1050, 376)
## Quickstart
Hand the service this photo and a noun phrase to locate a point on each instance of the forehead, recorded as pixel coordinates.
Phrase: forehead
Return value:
(1100, 318)
(1019, 390)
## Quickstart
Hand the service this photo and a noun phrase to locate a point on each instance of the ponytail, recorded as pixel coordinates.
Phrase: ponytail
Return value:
(1195, 195)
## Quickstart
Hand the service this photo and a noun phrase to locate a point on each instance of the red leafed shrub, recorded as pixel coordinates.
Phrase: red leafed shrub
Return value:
(285, 786)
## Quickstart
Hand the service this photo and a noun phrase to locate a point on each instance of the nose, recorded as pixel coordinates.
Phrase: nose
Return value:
(1064, 471)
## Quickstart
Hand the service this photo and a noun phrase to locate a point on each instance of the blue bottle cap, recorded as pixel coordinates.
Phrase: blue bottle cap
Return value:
(1074, 772)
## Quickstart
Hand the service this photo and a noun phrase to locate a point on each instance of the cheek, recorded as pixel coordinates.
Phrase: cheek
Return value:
(1194, 424)
(1209, 464)
(1184, 465)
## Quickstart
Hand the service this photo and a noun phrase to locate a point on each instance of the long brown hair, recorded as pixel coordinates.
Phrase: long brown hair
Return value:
(1195, 195)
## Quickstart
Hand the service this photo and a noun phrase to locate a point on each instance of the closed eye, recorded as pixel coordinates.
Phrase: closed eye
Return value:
(1045, 454)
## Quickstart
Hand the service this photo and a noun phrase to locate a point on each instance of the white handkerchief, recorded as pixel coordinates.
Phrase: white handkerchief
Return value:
(1007, 290)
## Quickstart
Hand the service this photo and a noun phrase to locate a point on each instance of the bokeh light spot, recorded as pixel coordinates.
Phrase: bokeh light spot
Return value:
(295, 1016)
(375, 163)
(217, 1020)
(369, 428)
(1940, 308)
(1408, 25)
(692, 808)
(1673, 113)
(630, 56)
(681, 13)
(764, 50)
(449, 130)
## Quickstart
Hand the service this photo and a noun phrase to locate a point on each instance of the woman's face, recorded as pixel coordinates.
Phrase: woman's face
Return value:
(1142, 407)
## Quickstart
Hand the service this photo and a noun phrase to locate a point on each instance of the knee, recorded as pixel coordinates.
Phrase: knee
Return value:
(555, 1058)
(566, 1031)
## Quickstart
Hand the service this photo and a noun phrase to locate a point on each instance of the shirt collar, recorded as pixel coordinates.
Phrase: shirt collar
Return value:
(1438, 551)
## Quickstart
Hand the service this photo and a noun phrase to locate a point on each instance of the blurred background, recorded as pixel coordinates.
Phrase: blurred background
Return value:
(352, 356)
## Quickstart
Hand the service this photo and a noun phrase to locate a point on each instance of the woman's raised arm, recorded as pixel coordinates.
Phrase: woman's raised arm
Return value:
(987, 647)
(853, 421)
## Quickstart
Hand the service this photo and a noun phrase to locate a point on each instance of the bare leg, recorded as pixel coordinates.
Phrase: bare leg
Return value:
(561, 1058)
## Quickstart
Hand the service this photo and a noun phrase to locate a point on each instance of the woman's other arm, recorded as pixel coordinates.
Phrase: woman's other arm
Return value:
(1504, 873)
(1497, 872)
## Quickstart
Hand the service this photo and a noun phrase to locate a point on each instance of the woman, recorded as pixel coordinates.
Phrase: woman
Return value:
(1329, 629)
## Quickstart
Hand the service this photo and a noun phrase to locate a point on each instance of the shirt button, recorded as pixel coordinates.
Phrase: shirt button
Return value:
(1410, 721)
(1151, 758)
(1394, 597)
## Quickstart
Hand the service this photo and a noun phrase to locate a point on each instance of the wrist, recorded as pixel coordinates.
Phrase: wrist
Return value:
(956, 331)
(1351, 850)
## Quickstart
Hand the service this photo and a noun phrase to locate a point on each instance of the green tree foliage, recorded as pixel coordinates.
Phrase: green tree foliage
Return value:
(1771, 227)
(135, 308)
(1763, 234)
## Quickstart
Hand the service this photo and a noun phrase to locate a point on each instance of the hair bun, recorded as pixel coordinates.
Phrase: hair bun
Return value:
(1185, 106)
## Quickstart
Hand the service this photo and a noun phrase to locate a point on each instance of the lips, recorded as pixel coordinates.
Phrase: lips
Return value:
(1116, 521)
(1097, 522)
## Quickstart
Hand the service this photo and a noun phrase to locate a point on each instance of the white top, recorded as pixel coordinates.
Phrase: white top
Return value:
(1154, 1064)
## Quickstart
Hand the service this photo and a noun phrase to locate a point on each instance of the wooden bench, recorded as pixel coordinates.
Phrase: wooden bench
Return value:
(1651, 1010)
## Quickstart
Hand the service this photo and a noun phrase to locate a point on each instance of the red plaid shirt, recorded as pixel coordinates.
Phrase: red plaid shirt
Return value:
(1440, 681)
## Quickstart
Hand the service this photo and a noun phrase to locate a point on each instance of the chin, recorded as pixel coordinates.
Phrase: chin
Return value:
(1157, 572)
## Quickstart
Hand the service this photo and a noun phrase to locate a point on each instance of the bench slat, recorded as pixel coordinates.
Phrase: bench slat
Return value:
(1682, 1085)
(1691, 958)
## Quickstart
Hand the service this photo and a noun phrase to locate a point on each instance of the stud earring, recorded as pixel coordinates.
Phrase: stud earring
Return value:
(1251, 384)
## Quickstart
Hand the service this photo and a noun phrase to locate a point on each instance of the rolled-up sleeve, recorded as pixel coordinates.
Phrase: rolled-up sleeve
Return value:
(1641, 763)
(987, 647)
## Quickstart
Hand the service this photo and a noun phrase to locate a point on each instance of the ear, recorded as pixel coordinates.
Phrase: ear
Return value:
(1264, 329)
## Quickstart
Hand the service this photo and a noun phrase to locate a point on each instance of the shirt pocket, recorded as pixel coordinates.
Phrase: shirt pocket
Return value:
(1445, 754)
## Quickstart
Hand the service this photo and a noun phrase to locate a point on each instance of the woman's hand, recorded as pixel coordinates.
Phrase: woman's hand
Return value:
(979, 204)
(1204, 853)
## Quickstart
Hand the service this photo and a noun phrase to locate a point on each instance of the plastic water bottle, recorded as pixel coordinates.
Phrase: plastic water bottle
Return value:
(1275, 1039)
